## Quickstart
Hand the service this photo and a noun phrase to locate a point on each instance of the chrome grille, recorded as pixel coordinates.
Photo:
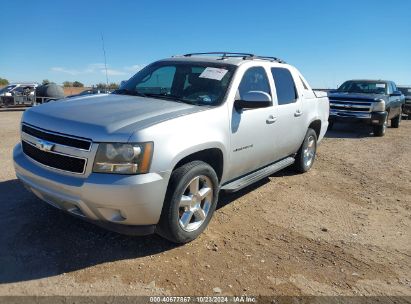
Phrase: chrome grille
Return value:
(57, 138)
(54, 160)
(55, 150)
(350, 106)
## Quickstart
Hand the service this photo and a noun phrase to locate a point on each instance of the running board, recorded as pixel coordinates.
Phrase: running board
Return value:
(257, 175)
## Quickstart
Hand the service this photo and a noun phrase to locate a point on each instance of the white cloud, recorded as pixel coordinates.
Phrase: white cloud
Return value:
(98, 68)
(112, 72)
(133, 68)
(89, 69)
(66, 71)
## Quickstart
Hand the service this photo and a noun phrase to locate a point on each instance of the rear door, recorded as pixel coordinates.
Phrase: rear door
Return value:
(290, 121)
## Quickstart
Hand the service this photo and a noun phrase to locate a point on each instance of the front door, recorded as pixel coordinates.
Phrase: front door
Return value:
(252, 130)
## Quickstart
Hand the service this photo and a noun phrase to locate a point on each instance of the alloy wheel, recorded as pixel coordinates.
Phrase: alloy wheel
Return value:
(309, 151)
(195, 203)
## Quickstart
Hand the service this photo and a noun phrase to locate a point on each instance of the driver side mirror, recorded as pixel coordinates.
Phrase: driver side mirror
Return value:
(396, 93)
(253, 100)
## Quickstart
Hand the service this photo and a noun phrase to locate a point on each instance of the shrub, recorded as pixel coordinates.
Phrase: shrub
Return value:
(3, 82)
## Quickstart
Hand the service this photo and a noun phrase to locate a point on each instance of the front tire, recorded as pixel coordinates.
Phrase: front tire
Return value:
(190, 202)
(395, 122)
(379, 130)
(305, 157)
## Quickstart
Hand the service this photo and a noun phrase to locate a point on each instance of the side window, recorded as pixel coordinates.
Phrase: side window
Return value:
(254, 79)
(158, 82)
(394, 87)
(285, 86)
(389, 88)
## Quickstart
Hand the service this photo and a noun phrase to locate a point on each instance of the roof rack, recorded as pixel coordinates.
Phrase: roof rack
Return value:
(243, 55)
(270, 58)
(224, 54)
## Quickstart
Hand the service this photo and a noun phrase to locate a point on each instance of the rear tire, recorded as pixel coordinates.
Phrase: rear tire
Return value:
(305, 157)
(190, 202)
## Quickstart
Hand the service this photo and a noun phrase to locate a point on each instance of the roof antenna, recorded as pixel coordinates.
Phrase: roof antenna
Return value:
(105, 60)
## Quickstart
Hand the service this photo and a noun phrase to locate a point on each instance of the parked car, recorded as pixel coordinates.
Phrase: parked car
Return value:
(153, 155)
(372, 102)
(92, 91)
(406, 107)
(19, 88)
(18, 94)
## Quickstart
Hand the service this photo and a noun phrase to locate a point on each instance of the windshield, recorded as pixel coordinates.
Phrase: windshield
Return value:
(190, 82)
(405, 91)
(7, 89)
(367, 87)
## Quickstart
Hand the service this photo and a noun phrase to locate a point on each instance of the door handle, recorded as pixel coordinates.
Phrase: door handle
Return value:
(298, 113)
(271, 119)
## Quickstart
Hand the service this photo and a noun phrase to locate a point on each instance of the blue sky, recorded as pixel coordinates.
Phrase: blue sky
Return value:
(329, 41)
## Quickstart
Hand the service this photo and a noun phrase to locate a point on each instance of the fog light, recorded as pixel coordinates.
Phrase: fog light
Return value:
(112, 215)
(375, 121)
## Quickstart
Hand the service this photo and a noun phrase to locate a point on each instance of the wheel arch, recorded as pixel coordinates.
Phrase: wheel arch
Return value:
(316, 126)
(212, 156)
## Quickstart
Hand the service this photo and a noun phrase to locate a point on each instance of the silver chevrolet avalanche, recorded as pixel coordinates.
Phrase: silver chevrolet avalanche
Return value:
(153, 155)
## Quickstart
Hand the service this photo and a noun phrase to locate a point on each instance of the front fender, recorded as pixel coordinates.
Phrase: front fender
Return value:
(177, 138)
(199, 148)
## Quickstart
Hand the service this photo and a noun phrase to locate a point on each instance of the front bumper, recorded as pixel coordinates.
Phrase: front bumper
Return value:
(370, 118)
(116, 202)
(406, 108)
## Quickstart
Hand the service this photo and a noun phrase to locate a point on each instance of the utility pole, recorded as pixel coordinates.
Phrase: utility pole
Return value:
(105, 60)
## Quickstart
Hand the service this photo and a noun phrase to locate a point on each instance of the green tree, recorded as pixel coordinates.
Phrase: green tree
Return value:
(103, 86)
(67, 84)
(45, 81)
(78, 84)
(3, 82)
(113, 86)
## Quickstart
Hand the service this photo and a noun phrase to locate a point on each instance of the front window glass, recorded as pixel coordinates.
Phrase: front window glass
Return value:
(158, 82)
(367, 87)
(7, 89)
(200, 83)
(254, 79)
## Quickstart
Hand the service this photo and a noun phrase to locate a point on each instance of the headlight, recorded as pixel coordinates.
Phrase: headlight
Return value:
(379, 106)
(123, 158)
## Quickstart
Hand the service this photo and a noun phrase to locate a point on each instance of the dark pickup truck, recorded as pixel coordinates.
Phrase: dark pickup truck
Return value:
(371, 102)
(406, 107)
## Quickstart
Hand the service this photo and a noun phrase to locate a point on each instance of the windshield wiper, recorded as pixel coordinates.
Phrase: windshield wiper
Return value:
(168, 97)
(128, 92)
(154, 95)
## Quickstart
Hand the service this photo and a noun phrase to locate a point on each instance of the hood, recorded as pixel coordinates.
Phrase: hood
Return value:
(355, 96)
(102, 118)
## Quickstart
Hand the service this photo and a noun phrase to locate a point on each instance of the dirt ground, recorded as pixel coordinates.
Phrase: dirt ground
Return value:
(341, 229)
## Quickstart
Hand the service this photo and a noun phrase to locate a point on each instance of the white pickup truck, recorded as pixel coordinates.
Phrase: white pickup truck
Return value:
(153, 155)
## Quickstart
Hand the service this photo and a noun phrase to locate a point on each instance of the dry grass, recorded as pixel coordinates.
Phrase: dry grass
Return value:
(73, 90)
